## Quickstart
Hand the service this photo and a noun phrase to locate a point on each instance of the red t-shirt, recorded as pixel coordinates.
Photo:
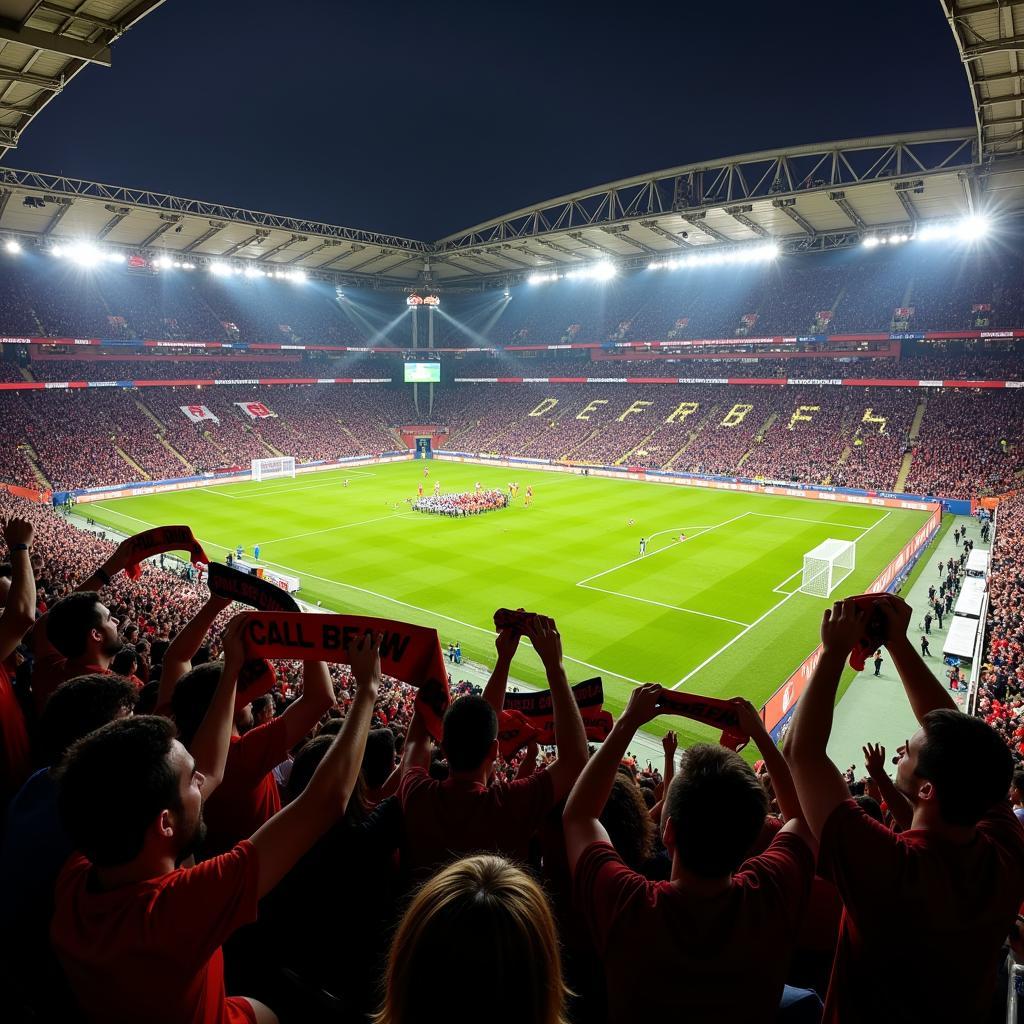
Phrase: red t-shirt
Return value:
(449, 819)
(151, 951)
(911, 899)
(15, 750)
(50, 668)
(672, 955)
(248, 797)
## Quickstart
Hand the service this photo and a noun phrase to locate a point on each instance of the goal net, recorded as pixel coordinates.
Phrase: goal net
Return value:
(827, 566)
(268, 469)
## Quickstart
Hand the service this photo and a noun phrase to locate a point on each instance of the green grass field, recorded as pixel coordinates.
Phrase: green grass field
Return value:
(718, 614)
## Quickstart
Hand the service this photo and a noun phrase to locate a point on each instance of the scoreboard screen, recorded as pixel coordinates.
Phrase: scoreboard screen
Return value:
(422, 373)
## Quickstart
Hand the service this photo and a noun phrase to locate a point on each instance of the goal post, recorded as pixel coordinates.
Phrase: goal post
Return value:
(827, 566)
(269, 469)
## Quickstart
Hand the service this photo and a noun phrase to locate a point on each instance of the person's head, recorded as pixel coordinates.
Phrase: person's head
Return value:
(125, 662)
(955, 768)
(871, 807)
(79, 707)
(81, 625)
(627, 821)
(379, 757)
(470, 735)
(130, 633)
(508, 961)
(713, 811)
(130, 787)
(262, 709)
(1017, 788)
(192, 696)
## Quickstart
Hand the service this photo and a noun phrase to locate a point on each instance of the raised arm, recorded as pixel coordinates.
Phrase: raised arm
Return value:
(317, 698)
(103, 574)
(417, 745)
(570, 736)
(669, 743)
(506, 643)
(182, 649)
(20, 610)
(293, 830)
(213, 737)
(923, 690)
(819, 785)
(899, 806)
(581, 817)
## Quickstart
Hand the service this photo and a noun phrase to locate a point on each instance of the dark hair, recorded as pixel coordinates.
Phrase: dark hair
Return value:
(79, 707)
(71, 619)
(628, 824)
(967, 762)
(157, 650)
(191, 698)
(125, 661)
(470, 728)
(717, 807)
(379, 757)
(870, 806)
(113, 783)
(331, 727)
(147, 698)
(1018, 781)
(263, 702)
(306, 763)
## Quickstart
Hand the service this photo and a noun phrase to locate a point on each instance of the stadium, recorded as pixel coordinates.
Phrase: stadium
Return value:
(457, 503)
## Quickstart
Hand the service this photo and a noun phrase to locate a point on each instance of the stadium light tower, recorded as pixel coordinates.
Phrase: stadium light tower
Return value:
(12, 247)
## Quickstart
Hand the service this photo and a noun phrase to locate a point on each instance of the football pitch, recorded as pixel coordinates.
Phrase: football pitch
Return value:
(718, 613)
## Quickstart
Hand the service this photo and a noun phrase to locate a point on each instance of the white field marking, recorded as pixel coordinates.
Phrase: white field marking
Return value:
(817, 522)
(778, 588)
(661, 604)
(742, 633)
(668, 547)
(272, 492)
(394, 600)
(332, 529)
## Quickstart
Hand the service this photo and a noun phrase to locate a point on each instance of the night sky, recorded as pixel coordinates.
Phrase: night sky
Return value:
(422, 119)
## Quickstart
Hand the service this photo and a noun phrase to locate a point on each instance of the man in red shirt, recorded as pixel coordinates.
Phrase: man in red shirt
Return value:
(138, 935)
(953, 881)
(715, 941)
(463, 814)
(18, 599)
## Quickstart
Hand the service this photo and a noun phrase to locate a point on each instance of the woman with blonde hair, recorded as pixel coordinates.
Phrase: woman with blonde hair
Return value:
(478, 943)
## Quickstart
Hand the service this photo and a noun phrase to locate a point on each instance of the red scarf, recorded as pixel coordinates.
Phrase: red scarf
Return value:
(407, 652)
(709, 710)
(158, 540)
(235, 585)
(528, 716)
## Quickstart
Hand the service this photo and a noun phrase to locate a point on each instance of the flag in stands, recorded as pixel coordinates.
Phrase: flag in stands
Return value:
(255, 410)
(198, 413)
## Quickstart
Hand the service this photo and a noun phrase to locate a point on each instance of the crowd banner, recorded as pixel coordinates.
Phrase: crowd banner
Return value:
(160, 540)
(198, 413)
(255, 410)
(407, 652)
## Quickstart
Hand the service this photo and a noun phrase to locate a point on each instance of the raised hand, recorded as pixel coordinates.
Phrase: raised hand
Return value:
(897, 616)
(18, 531)
(874, 759)
(364, 657)
(842, 626)
(670, 743)
(644, 704)
(546, 640)
(749, 718)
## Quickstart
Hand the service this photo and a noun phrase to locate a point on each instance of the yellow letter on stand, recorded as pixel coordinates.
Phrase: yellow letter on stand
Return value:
(800, 416)
(736, 415)
(635, 407)
(545, 406)
(682, 410)
(590, 407)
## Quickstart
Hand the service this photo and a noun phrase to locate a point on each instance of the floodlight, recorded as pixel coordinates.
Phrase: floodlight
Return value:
(113, 257)
(85, 254)
(221, 269)
(298, 277)
(164, 263)
(251, 272)
(603, 271)
(974, 228)
(12, 247)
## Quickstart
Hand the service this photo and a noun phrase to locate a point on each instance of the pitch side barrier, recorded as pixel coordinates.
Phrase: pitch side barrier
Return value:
(780, 706)
(227, 476)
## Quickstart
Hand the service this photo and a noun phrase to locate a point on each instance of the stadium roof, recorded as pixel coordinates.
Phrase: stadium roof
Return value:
(804, 198)
(45, 43)
(990, 37)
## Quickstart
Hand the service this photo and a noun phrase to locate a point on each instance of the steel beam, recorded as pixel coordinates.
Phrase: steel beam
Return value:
(64, 46)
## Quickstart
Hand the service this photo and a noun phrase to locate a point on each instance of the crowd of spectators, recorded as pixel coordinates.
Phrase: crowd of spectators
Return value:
(165, 840)
(471, 503)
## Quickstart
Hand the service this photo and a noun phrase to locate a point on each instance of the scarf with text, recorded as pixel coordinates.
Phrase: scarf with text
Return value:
(158, 541)
(529, 716)
(234, 585)
(407, 652)
(721, 714)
